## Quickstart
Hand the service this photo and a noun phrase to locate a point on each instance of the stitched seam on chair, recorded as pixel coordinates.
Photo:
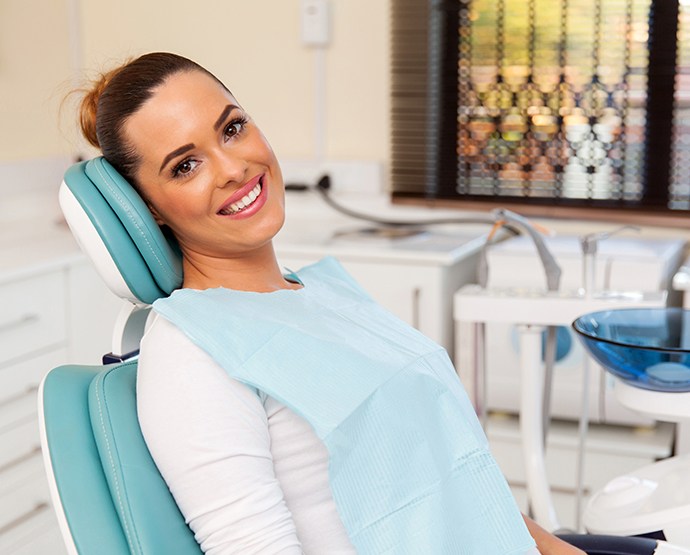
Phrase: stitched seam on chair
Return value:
(119, 198)
(111, 459)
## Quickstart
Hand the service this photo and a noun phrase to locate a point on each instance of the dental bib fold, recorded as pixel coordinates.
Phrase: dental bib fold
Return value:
(410, 468)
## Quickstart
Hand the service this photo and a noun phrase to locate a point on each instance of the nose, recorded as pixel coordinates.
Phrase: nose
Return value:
(230, 169)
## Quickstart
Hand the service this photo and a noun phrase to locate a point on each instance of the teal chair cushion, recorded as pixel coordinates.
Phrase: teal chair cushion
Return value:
(148, 259)
(114, 499)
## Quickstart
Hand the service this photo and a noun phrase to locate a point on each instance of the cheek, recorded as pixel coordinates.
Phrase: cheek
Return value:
(262, 145)
(185, 203)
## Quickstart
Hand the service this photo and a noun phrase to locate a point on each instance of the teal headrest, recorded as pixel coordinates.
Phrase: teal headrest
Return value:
(148, 260)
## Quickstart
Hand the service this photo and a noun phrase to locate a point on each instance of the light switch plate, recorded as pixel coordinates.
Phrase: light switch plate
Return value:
(316, 22)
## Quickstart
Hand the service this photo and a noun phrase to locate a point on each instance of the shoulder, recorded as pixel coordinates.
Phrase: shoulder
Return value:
(171, 366)
(163, 334)
(165, 348)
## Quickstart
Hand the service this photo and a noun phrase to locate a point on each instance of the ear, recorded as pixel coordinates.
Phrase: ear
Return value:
(155, 214)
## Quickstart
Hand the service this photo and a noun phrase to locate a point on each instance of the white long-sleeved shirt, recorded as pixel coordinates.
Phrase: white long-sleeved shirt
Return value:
(249, 475)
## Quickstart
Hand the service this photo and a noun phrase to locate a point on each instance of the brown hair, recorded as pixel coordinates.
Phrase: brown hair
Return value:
(120, 93)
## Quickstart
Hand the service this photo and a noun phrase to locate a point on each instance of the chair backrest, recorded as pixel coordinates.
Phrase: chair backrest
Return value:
(107, 492)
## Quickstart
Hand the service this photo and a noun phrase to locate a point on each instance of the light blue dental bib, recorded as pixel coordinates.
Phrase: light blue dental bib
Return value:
(409, 467)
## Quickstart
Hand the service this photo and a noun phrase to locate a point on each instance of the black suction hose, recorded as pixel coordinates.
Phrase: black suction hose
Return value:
(323, 188)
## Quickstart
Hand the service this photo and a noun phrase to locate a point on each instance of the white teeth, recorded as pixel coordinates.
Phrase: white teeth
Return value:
(248, 199)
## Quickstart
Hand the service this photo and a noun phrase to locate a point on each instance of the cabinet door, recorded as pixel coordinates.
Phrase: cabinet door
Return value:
(32, 315)
(24, 376)
(18, 407)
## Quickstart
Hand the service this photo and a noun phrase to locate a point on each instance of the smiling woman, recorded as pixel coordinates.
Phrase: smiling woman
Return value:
(286, 413)
(201, 190)
(205, 170)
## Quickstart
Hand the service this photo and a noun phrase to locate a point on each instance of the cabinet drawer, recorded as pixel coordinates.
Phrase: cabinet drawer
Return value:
(45, 541)
(32, 315)
(19, 441)
(25, 376)
(18, 410)
(36, 534)
(23, 493)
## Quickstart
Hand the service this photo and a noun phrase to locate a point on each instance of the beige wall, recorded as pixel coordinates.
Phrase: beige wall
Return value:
(254, 46)
(34, 77)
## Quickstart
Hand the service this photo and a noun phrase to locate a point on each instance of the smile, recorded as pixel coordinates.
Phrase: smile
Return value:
(249, 200)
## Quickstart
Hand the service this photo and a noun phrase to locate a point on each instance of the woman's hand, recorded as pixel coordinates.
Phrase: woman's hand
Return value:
(547, 543)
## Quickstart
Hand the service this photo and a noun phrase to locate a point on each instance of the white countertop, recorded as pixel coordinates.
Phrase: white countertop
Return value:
(28, 251)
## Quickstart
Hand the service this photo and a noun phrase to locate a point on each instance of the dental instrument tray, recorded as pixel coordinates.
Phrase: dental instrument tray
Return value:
(646, 347)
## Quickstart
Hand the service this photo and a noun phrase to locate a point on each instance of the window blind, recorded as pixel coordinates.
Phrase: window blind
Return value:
(551, 103)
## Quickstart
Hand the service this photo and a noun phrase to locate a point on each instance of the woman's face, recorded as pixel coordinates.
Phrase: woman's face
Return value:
(206, 170)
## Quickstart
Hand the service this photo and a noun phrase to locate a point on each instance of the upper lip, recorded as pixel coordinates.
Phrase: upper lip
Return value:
(242, 191)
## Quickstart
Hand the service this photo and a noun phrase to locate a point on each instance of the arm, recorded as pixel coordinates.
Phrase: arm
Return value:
(547, 543)
(208, 435)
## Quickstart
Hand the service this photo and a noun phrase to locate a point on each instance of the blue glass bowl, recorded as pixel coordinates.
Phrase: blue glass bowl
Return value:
(646, 347)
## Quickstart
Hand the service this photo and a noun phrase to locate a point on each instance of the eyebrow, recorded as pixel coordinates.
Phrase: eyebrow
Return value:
(174, 153)
(224, 114)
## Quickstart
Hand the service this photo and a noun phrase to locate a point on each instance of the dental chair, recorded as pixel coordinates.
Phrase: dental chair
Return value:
(106, 490)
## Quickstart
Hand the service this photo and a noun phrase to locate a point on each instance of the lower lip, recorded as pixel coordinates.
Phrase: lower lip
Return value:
(254, 208)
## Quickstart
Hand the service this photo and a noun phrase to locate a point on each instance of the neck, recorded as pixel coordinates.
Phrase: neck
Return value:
(256, 271)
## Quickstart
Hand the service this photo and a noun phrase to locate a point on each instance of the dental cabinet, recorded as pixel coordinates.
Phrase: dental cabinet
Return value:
(54, 310)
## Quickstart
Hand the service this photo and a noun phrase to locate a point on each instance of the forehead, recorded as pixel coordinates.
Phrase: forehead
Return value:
(187, 88)
(184, 105)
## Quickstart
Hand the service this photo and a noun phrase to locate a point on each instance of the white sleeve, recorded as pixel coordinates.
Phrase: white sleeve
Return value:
(208, 435)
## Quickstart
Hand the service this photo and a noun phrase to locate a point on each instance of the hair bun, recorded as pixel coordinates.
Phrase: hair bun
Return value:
(89, 107)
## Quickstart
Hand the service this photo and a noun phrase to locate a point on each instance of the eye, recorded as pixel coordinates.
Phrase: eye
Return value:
(185, 167)
(235, 127)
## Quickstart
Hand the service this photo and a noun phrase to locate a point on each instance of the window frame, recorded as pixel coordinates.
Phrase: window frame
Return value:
(438, 103)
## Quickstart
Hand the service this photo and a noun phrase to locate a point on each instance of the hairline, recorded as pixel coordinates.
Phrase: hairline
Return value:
(127, 144)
